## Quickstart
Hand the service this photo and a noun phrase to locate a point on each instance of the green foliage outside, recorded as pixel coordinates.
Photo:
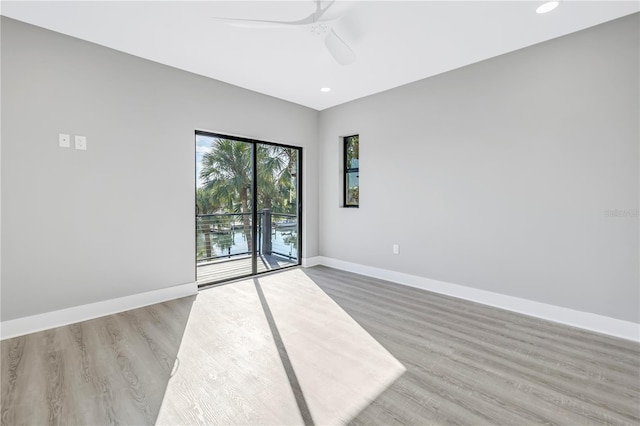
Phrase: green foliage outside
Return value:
(353, 159)
(226, 174)
(353, 150)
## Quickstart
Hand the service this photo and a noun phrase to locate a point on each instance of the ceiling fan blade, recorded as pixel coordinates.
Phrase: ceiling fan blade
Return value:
(321, 10)
(259, 23)
(340, 50)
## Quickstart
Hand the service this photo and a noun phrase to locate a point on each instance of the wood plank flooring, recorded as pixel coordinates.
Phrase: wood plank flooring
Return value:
(319, 346)
(274, 350)
(111, 370)
(472, 364)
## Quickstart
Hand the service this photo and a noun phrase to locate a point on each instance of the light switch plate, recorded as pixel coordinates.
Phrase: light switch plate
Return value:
(81, 142)
(64, 140)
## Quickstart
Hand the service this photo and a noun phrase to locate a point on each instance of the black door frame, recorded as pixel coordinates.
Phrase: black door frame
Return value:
(254, 202)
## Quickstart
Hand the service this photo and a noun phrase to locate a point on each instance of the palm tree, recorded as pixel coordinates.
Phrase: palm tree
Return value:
(288, 181)
(226, 173)
(206, 203)
(271, 164)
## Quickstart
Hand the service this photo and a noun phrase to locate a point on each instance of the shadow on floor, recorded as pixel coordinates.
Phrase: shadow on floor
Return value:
(274, 349)
(284, 357)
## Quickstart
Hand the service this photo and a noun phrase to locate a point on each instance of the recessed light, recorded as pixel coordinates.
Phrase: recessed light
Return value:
(325, 89)
(547, 7)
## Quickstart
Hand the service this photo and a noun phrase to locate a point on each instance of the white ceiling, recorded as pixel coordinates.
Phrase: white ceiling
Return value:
(396, 42)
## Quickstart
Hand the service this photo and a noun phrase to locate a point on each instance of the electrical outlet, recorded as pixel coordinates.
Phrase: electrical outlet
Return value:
(64, 140)
(396, 249)
(81, 142)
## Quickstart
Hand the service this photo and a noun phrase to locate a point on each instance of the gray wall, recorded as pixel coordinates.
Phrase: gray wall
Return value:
(502, 172)
(499, 175)
(117, 219)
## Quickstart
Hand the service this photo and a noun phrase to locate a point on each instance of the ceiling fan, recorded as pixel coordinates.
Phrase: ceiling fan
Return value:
(313, 23)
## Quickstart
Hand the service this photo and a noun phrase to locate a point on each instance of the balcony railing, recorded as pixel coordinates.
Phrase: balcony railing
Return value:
(228, 235)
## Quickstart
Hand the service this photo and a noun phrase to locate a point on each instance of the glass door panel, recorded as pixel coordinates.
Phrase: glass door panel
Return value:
(278, 206)
(247, 207)
(224, 202)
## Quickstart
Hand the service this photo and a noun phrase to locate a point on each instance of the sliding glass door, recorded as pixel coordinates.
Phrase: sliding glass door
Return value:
(248, 207)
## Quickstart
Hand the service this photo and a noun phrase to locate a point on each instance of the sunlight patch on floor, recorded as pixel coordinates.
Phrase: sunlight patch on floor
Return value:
(274, 350)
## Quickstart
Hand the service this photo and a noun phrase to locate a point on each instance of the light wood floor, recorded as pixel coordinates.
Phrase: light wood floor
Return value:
(472, 364)
(318, 346)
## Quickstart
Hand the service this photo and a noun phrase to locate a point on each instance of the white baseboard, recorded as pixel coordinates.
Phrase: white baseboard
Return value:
(585, 320)
(589, 321)
(308, 262)
(35, 323)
